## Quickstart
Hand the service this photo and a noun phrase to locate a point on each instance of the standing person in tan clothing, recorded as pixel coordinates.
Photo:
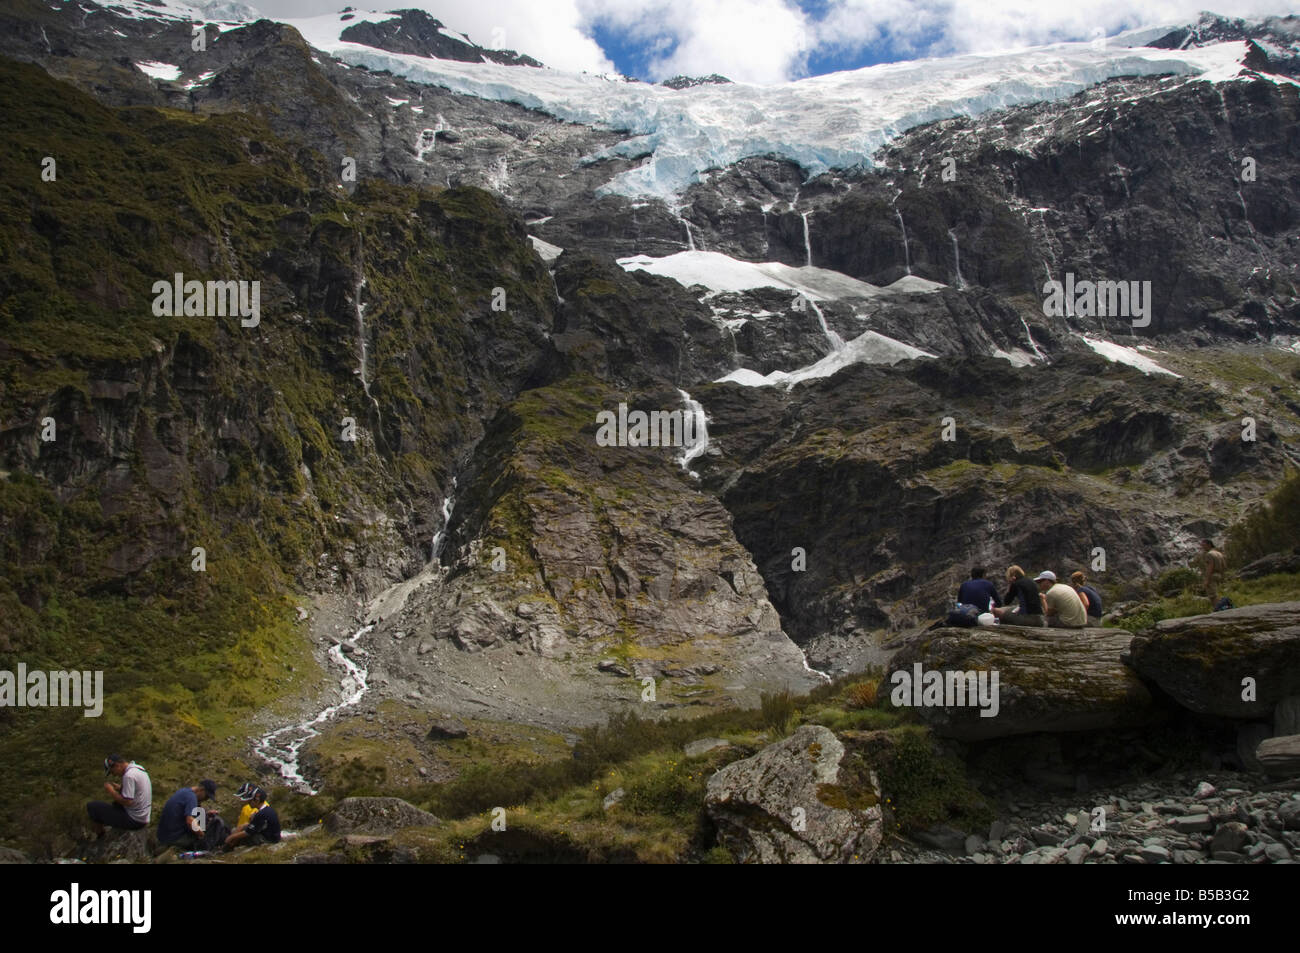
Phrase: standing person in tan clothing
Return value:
(1213, 568)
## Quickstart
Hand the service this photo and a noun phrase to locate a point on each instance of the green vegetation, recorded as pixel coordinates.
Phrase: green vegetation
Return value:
(176, 432)
(1279, 587)
(1272, 527)
(556, 807)
(927, 787)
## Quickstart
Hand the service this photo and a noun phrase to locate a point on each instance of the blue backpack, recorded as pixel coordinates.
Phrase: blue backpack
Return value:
(964, 616)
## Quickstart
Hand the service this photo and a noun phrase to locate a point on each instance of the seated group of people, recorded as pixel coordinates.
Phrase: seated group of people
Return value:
(184, 823)
(1037, 602)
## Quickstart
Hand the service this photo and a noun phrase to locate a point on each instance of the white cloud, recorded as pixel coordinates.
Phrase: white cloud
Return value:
(969, 26)
(750, 41)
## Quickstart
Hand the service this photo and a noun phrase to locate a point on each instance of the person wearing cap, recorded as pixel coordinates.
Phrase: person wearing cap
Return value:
(262, 828)
(245, 794)
(1023, 602)
(179, 824)
(1062, 605)
(132, 797)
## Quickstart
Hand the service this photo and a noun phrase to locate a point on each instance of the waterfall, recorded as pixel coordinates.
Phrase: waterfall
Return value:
(690, 236)
(956, 254)
(440, 537)
(361, 334)
(1032, 345)
(807, 245)
(698, 441)
(1232, 158)
(907, 254)
(836, 342)
(363, 348)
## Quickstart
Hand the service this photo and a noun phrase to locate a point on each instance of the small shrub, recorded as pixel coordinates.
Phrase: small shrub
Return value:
(861, 695)
(778, 712)
(1175, 581)
(670, 791)
(926, 787)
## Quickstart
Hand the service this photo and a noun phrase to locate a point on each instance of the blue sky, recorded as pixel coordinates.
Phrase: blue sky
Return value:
(772, 41)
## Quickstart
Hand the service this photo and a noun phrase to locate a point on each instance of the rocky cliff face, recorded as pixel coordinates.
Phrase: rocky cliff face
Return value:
(460, 302)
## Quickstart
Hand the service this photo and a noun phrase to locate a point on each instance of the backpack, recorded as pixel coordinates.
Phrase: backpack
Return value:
(214, 838)
(964, 616)
(1224, 603)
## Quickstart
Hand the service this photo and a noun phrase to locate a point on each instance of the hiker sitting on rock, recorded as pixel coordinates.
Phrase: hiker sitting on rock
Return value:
(245, 794)
(1090, 596)
(978, 592)
(262, 828)
(180, 825)
(1213, 568)
(1022, 605)
(1061, 604)
(132, 797)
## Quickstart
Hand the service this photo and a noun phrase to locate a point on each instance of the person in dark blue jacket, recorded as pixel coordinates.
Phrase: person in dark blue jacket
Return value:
(1092, 598)
(979, 592)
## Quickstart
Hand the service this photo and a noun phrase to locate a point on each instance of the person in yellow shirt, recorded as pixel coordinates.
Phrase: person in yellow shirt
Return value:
(245, 794)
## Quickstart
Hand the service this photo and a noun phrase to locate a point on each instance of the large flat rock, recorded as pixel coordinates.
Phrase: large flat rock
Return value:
(1047, 680)
(1200, 661)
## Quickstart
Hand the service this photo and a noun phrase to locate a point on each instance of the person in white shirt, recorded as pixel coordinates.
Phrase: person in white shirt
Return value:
(132, 797)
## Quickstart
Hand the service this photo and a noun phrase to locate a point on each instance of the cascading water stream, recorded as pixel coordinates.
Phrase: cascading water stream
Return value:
(907, 253)
(281, 748)
(956, 254)
(440, 537)
(807, 244)
(1033, 346)
(363, 348)
(836, 342)
(699, 441)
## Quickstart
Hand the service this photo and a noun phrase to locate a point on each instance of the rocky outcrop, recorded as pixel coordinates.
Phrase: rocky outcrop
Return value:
(376, 815)
(1280, 756)
(573, 566)
(792, 803)
(1203, 661)
(118, 846)
(1048, 680)
(890, 516)
(416, 33)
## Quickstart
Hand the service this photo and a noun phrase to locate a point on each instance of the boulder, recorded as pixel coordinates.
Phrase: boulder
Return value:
(10, 856)
(446, 728)
(1280, 757)
(1200, 661)
(1048, 680)
(1286, 716)
(1230, 838)
(118, 845)
(1270, 564)
(795, 802)
(702, 746)
(376, 815)
(1249, 736)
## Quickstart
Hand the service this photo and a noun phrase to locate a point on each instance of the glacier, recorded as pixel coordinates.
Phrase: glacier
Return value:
(838, 120)
(834, 121)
